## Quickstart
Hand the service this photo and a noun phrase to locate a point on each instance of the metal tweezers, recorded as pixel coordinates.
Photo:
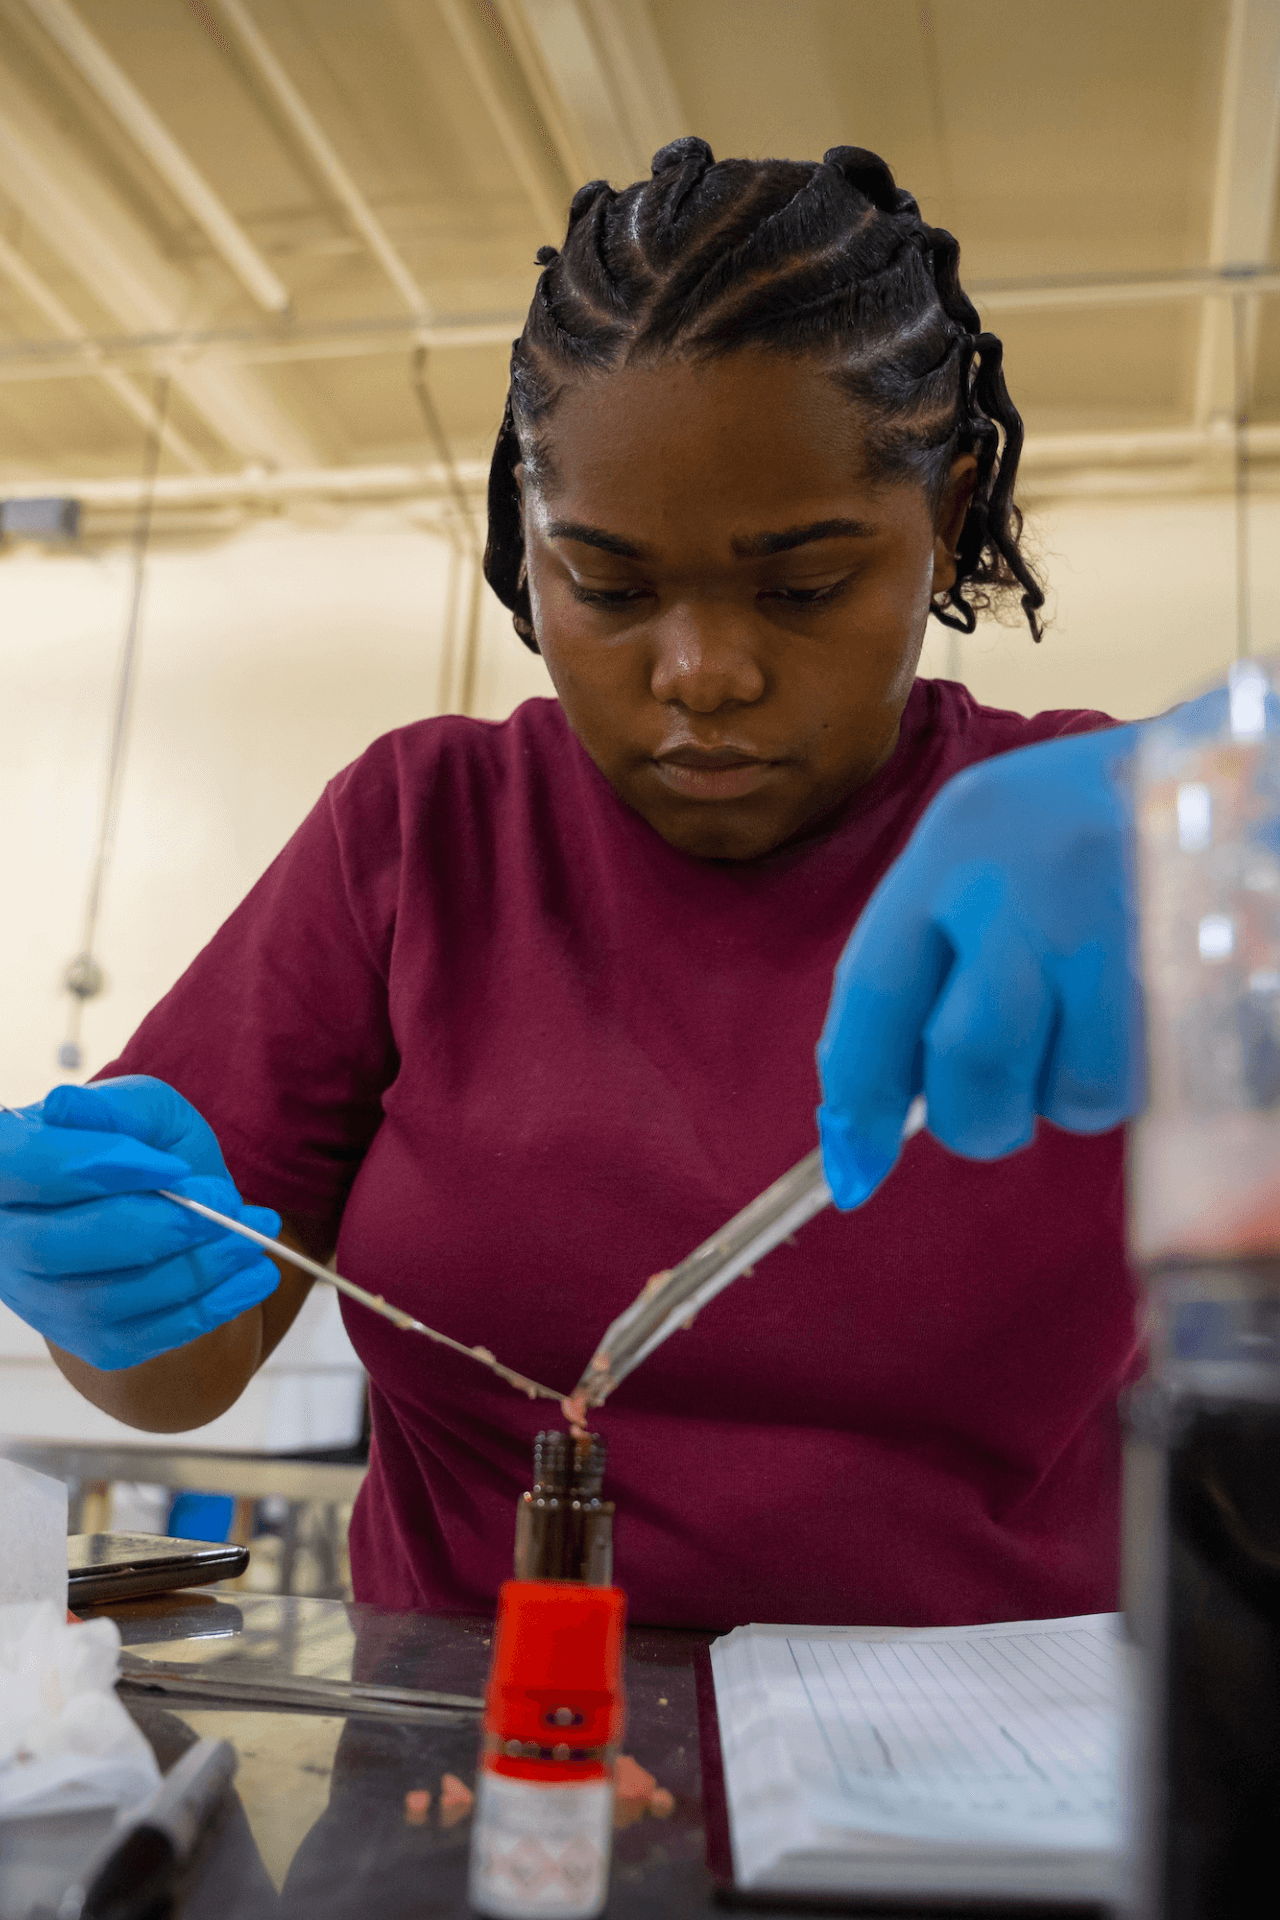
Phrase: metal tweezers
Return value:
(299, 1692)
(670, 1301)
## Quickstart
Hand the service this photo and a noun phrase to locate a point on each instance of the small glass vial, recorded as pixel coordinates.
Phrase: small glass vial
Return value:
(554, 1705)
(564, 1530)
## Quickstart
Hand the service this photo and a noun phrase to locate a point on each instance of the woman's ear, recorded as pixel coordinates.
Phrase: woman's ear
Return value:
(949, 521)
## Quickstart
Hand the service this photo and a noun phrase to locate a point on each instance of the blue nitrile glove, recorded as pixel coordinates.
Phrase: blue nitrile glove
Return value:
(992, 970)
(90, 1255)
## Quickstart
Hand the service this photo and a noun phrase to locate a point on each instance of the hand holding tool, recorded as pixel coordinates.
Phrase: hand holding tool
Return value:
(89, 1255)
(992, 969)
(94, 1255)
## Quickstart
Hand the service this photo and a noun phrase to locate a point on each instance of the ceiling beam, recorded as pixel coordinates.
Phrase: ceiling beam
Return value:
(313, 483)
(641, 79)
(1152, 446)
(600, 78)
(323, 156)
(116, 260)
(232, 347)
(88, 359)
(241, 344)
(1243, 208)
(1121, 290)
(122, 99)
(1144, 458)
(562, 130)
(476, 49)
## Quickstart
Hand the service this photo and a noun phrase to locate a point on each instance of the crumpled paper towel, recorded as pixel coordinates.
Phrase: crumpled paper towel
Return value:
(65, 1738)
(33, 1536)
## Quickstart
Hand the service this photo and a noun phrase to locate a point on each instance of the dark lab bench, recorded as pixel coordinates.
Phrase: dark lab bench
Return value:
(317, 1827)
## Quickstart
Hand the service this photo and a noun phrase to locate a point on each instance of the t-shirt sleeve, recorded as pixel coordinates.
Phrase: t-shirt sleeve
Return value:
(279, 1032)
(1056, 722)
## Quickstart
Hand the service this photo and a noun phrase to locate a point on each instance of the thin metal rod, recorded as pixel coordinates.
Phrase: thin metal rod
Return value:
(374, 1301)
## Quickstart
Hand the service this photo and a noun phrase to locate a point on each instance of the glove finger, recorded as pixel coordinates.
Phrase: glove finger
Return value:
(221, 1195)
(987, 1040)
(42, 1165)
(145, 1108)
(1094, 1077)
(111, 1299)
(869, 1056)
(129, 1342)
(126, 1231)
(135, 1104)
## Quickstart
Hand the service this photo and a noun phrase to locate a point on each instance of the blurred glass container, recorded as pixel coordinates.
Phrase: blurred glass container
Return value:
(1205, 1158)
(1202, 1453)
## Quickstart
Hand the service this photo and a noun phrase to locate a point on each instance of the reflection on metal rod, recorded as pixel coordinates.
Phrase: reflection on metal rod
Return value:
(373, 1301)
(670, 1301)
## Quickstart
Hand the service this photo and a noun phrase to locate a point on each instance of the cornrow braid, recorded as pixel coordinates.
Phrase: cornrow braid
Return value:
(830, 258)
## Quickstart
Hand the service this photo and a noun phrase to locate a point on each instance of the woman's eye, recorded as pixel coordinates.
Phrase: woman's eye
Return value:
(807, 596)
(605, 596)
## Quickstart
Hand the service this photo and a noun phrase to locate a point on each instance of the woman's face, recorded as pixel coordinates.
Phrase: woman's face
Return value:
(730, 611)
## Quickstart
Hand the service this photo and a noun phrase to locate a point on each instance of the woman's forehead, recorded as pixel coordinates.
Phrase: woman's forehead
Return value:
(762, 440)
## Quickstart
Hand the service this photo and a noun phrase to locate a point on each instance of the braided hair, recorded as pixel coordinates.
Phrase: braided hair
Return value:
(828, 258)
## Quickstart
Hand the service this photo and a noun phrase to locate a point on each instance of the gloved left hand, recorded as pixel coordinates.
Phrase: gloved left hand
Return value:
(91, 1253)
(992, 969)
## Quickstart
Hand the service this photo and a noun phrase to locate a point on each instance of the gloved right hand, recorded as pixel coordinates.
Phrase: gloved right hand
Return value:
(90, 1255)
(993, 968)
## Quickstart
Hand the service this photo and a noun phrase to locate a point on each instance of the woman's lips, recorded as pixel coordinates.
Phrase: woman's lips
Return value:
(712, 775)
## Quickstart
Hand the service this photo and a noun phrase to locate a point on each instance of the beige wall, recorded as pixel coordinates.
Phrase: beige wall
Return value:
(271, 657)
(269, 660)
(1143, 599)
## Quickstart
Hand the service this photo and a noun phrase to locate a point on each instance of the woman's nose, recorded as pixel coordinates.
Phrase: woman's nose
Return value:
(705, 660)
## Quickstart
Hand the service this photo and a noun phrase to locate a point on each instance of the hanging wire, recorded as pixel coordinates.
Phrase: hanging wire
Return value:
(449, 633)
(467, 525)
(1240, 317)
(83, 979)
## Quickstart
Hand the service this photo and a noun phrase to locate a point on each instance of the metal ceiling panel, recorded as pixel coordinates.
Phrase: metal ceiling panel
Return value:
(1055, 141)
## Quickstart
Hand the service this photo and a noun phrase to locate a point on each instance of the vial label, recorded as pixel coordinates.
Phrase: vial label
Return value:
(540, 1850)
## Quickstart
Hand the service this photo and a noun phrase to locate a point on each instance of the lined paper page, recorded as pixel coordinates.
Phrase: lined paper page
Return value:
(991, 1737)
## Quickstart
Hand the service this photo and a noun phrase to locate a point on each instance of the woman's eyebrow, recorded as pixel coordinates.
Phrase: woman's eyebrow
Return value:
(757, 547)
(596, 537)
(761, 545)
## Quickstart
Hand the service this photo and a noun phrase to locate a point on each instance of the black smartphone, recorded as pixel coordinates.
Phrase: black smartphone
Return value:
(123, 1566)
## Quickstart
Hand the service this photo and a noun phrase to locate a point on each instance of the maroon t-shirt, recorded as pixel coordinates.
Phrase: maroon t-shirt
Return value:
(530, 1054)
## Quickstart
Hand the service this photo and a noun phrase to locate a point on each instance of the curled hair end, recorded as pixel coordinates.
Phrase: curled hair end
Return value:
(676, 152)
(868, 173)
(585, 198)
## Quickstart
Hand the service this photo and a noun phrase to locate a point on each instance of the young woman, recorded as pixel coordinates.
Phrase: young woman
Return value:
(523, 1011)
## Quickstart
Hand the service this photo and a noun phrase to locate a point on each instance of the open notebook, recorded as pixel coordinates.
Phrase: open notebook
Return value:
(947, 1761)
